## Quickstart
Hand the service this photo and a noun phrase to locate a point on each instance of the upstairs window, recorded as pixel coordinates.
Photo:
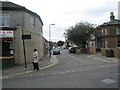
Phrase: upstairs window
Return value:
(104, 31)
(117, 31)
(99, 33)
(4, 19)
(32, 21)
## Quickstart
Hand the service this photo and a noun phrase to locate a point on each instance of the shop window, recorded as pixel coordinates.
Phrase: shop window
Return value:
(4, 20)
(117, 31)
(32, 21)
(7, 48)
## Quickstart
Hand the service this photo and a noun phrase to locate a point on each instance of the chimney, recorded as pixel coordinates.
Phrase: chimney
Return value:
(112, 17)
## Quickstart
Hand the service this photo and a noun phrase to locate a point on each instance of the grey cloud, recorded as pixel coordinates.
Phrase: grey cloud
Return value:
(98, 11)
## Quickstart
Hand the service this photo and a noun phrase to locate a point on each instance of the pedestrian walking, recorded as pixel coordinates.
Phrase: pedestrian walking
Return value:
(35, 60)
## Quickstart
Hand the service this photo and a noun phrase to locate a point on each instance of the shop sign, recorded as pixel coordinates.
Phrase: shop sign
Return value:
(4, 34)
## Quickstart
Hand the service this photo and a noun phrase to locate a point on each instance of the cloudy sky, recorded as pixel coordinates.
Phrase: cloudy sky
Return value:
(66, 13)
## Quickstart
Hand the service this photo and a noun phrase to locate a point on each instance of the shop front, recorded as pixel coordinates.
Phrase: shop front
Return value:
(6, 57)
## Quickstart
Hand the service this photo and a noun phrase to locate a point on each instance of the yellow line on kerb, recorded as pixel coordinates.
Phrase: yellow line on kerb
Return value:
(55, 61)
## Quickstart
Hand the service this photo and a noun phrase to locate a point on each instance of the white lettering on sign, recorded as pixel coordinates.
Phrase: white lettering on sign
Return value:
(6, 33)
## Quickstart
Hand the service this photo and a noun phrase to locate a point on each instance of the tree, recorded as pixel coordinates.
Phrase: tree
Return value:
(80, 33)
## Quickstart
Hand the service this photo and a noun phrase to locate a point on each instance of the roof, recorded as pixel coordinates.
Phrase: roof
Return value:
(14, 7)
(110, 23)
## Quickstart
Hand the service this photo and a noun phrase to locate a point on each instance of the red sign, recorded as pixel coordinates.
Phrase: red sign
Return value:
(6, 34)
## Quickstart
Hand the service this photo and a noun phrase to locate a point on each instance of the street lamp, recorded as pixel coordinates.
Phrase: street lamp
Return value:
(50, 32)
(50, 39)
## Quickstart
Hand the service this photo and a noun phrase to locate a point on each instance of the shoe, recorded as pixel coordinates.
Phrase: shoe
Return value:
(37, 69)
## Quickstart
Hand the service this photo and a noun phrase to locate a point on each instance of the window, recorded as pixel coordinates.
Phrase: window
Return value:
(99, 44)
(118, 44)
(32, 21)
(4, 19)
(105, 31)
(99, 33)
(102, 32)
(92, 44)
(117, 31)
(104, 44)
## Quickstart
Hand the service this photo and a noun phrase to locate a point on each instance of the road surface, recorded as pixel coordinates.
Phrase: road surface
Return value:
(72, 71)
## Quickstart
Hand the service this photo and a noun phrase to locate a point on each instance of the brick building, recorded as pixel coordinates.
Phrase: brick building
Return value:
(108, 36)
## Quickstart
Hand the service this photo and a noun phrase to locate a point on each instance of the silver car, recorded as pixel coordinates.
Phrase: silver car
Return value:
(56, 51)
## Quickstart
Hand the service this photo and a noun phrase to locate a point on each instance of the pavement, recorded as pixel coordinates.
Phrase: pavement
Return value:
(20, 70)
(98, 56)
(45, 63)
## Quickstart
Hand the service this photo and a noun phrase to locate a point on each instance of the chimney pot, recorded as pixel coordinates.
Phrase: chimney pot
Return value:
(112, 17)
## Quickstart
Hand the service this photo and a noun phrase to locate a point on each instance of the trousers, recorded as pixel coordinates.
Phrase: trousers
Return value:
(36, 66)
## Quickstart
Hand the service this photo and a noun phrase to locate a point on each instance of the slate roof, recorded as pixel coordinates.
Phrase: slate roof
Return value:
(110, 23)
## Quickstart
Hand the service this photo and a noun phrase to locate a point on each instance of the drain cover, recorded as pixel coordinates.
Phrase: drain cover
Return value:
(108, 81)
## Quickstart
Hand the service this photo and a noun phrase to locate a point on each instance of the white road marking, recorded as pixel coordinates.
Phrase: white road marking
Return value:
(54, 73)
(75, 58)
(101, 59)
(68, 71)
(90, 55)
(41, 74)
(80, 70)
(108, 81)
(61, 72)
(72, 71)
(31, 75)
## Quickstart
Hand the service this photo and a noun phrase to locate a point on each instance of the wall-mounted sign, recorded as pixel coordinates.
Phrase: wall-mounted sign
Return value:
(8, 34)
(27, 36)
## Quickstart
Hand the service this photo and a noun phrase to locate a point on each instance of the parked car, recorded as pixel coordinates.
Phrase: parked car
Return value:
(63, 47)
(72, 49)
(56, 51)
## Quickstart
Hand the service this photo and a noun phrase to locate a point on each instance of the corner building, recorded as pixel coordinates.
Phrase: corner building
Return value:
(16, 21)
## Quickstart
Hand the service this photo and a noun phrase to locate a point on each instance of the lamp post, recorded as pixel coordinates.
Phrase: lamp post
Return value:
(50, 32)
(50, 39)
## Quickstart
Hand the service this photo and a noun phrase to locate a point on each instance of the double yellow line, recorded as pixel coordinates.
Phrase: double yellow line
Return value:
(54, 62)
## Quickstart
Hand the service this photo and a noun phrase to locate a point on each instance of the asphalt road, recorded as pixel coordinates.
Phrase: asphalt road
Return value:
(72, 71)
